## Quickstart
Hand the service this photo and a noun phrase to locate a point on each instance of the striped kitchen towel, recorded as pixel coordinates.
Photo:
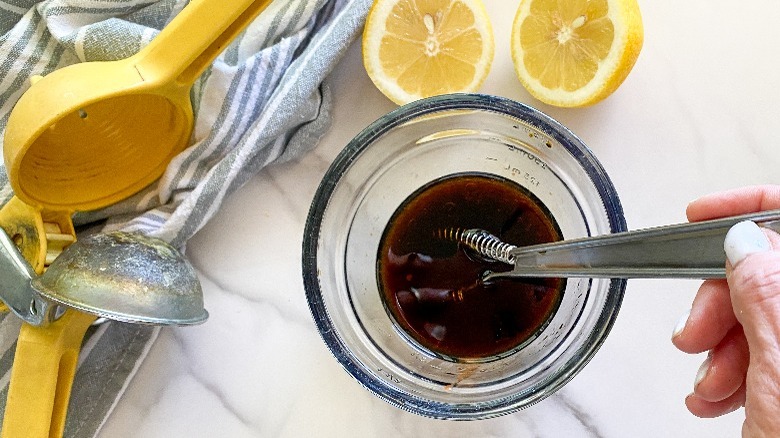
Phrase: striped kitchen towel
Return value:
(264, 100)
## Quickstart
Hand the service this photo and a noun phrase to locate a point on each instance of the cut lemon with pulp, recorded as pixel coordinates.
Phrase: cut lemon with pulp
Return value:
(420, 48)
(575, 52)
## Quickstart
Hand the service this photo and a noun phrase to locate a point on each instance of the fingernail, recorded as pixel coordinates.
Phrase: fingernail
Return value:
(703, 369)
(680, 326)
(743, 239)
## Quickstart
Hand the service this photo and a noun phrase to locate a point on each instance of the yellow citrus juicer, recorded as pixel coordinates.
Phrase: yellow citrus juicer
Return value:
(91, 134)
(82, 138)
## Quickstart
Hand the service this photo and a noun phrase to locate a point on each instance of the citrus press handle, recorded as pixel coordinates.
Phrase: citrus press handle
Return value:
(690, 250)
(194, 38)
(45, 363)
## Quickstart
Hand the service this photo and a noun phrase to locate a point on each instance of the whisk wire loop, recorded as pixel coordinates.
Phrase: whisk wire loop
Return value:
(482, 242)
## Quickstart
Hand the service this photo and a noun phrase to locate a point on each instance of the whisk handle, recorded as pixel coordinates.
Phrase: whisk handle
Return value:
(690, 250)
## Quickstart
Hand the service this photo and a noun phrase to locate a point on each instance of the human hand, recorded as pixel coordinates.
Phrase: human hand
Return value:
(738, 319)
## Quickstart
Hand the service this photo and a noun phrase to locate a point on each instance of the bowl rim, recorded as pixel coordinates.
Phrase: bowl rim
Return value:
(342, 163)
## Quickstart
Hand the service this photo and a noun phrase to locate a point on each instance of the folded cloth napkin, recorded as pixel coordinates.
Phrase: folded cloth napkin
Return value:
(265, 99)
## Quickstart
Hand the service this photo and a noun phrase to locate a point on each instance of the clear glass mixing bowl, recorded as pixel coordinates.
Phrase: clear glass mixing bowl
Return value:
(409, 148)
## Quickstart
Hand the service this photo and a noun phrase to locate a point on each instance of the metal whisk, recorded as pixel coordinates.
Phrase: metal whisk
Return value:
(688, 250)
(482, 242)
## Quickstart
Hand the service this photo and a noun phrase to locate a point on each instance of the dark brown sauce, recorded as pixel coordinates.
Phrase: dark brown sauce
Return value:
(433, 288)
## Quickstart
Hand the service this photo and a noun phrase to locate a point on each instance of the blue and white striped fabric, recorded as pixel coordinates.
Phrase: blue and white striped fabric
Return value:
(263, 100)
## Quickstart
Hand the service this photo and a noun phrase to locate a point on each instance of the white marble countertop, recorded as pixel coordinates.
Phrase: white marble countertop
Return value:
(698, 114)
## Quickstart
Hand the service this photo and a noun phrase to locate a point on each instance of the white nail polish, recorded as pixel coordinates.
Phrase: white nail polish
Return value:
(703, 369)
(678, 328)
(743, 239)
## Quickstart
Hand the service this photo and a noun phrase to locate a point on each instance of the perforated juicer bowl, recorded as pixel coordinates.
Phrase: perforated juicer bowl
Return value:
(392, 158)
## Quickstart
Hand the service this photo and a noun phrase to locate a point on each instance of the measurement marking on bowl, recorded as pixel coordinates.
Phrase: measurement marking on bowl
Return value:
(536, 160)
(389, 376)
(527, 176)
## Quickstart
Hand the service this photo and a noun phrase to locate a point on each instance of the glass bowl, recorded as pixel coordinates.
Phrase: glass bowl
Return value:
(395, 156)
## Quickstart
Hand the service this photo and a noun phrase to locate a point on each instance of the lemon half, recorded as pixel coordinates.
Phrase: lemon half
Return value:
(575, 53)
(420, 48)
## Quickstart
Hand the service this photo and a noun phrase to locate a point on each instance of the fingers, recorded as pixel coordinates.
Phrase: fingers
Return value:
(724, 371)
(707, 409)
(737, 320)
(734, 202)
(719, 386)
(711, 318)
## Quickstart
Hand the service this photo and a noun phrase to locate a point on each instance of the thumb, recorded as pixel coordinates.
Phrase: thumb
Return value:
(753, 275)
